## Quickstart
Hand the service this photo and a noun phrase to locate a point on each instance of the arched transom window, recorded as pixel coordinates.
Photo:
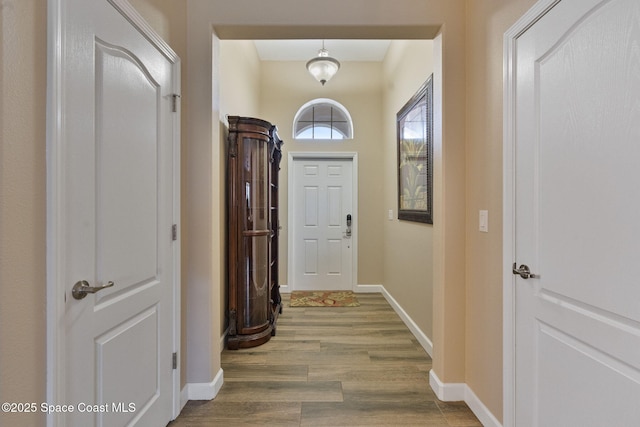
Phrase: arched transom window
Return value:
(322, 119)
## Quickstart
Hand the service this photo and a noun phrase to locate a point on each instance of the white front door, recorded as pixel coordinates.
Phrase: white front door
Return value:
(577, 182)
(113, 212)
(322, 252)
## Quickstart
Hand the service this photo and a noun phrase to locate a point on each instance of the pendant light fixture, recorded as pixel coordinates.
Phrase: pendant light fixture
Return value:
(323, 67)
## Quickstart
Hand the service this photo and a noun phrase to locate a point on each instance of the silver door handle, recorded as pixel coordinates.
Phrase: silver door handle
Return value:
(523, 271)
(82, 288)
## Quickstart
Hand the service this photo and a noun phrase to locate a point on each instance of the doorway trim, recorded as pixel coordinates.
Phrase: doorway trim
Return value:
(55, 190)
(335, 155)
(508, 204)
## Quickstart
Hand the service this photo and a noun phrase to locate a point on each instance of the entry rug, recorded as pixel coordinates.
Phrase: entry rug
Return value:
(323, 299)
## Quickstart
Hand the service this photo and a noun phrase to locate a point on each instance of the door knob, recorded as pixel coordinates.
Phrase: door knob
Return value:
(523, 271)
(82, 288)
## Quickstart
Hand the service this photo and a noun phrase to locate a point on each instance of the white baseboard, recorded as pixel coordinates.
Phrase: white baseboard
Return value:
(205, 391)
(424, 340)
(373, 289)
(447, 392)
(477, 407)
(184, 396)
(454, 392)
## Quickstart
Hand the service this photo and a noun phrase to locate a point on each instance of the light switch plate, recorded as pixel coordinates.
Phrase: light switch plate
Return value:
(483, 221)
(390, 214)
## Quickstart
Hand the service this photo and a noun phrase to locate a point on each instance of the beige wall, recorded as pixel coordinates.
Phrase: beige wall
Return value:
(448, 195)
(286, 86)
(487, 21)
(408, 254)
(239, 86)
(22, 206)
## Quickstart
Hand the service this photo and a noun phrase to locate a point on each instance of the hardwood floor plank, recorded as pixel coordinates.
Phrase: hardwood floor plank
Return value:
(278, 343)
(365, 373)
(357, 339)
(281, 391)
(266, 372)
(458, 414)
(401, 357)
(319, 357)
(365, 346)
(371, 413)
(242, 357)
(206, 414)
(387, 391)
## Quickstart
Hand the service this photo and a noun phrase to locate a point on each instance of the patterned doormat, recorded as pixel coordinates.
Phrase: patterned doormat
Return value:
(323, 299)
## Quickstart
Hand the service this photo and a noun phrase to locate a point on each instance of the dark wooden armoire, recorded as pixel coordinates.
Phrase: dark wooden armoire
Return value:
(253, 228)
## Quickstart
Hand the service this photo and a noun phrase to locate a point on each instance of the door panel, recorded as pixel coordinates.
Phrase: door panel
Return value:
(577, 131)
(334, 203)
(334, 249)
(321, 253)
(310, 256)
(257, 293)
(141, 374)
(126, 171)
(605, 386)
(311, 206)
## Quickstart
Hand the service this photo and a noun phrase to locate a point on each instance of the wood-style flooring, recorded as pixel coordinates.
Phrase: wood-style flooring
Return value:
(351, 366)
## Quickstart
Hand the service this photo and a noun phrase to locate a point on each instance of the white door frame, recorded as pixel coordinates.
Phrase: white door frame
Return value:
(55, 288)
(509, 200)
(335, 155)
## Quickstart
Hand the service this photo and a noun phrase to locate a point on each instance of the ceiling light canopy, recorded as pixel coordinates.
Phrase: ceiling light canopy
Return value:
(323, 67)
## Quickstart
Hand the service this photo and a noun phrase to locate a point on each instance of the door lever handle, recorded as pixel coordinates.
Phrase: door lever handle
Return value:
(524, 271)
(82, 288)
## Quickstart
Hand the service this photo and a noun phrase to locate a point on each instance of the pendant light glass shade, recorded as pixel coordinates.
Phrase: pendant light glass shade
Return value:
(323, 67)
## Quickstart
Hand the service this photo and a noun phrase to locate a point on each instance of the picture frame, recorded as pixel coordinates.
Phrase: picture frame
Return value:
(415, 156)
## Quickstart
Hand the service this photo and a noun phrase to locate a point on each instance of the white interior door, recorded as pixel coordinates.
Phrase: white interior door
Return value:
(115, 204)
(577, 147)
(322, 253)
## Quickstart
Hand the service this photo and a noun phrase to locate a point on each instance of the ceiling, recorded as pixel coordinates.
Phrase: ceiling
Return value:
(303, 50)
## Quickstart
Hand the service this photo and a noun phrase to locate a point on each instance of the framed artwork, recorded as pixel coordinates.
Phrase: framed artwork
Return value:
(415, 156)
